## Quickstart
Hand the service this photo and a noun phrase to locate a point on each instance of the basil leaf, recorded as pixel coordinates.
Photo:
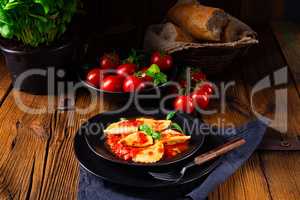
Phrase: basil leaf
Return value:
(170, 115)
(156, 82)
(147, 129)
(176, 127)
(161, 78)
(156, 135)
(152, 70)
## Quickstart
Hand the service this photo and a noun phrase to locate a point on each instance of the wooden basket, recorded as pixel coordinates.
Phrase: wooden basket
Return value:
(210, 60)
(212, 57)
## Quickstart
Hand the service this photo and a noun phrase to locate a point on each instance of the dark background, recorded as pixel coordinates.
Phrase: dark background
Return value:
(119, 23)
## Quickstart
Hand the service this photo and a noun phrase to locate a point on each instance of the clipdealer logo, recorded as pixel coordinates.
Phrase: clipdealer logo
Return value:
(279, 77)
(280, 120)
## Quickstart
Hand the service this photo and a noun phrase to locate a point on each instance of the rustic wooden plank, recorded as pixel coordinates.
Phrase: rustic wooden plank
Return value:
(5, 81)
(287, 35)
(62, 172)
(247, 183)
(19, 145)
(282, 170)
(262, 61)
(36, 151)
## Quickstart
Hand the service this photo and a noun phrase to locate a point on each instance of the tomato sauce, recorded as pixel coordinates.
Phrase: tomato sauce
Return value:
(122, 151)
(131, 122)
(127, 153)
(173, 150)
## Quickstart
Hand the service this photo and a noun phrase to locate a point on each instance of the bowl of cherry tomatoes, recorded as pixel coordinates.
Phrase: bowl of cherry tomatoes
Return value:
(127, 72)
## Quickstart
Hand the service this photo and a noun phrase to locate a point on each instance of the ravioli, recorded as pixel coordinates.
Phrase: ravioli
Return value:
(150, 154)
(156, 142)
(138, 139)
(176, 140)
(123, 127)
(171, 137)
(171, 132)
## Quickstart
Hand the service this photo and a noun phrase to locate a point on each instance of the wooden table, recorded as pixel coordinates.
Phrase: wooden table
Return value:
(36, 151)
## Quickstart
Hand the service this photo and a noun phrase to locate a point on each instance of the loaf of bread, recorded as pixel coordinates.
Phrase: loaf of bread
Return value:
(201, 22)
(237, 30)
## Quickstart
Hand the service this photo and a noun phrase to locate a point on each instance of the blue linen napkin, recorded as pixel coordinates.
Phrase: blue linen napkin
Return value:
(93, 188)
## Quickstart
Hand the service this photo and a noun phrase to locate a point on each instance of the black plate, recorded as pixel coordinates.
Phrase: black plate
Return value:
(130, 177)
(97, 144)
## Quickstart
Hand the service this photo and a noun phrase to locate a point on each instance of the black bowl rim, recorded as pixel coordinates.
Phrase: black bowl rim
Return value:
(147, 90)
(151, 165)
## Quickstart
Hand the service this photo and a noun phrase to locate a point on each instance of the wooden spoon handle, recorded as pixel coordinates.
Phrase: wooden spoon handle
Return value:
(221, 150)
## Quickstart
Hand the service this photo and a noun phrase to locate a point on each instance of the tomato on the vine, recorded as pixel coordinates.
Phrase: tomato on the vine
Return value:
(126, 69)
(145, 77)
(207, 89)
(200, 99)
(109, 61)
(132, 83)
(94, 75)
(185, 104)
(112, 83)
(164, 61)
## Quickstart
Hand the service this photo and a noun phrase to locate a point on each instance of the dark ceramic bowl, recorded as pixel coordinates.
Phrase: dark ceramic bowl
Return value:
(93, 132)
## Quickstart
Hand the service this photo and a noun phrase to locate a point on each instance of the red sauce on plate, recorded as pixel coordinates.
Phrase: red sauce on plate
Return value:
(127, 153)
(173, 150)
(122, 151)
(131, 122)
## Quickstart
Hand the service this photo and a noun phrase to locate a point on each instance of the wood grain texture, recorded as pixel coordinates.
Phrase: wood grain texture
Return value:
(282, 171)
(5, 81)
(37, 159)
(247, 183)
(259, 174)
(287, 35)
(261, 62)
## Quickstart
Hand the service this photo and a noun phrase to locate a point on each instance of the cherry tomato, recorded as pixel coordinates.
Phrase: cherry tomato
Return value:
(207, 89)
(200, 99)
(94, 75)
(109, 61)
(198, 76)
(184, 103)
(132, 83)
(165, 62)
(126, 69)
(144, 76)
(112, 83)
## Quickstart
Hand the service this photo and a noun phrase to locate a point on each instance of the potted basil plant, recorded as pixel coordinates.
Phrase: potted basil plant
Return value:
(34, 39)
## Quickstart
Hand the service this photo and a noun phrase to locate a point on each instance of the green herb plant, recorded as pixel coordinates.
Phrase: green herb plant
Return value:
(35, 22)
